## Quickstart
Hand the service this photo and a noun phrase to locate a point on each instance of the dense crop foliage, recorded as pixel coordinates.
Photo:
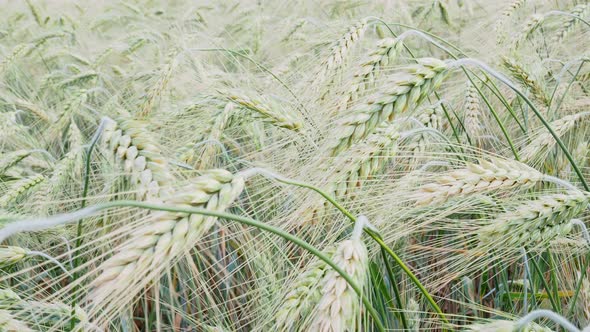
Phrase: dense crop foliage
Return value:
(294, 165)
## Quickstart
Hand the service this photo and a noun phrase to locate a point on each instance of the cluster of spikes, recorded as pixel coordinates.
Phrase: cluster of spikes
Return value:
(176, 166)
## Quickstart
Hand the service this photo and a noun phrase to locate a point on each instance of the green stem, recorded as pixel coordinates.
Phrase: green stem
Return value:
(566, 89)
(470, 79)
(493, 111)
(537, 114)
(254, 223)
(76, 261)
(545, 285)
(554, 280)
(398, 298)
(455, 133)
(578, 286)
(377, 239)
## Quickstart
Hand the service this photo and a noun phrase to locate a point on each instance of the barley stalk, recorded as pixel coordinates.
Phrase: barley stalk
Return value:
(582, 11)
(519, 73)
(167, 236)
(496, 174)
(266, 112)
(19, 188)
(505, 326)
(545, 141)
(338, 308)
(132, 145)
(583, 303)
(339, 51)
(536, 221)
(473, 115)
(405, 90)
(579, 153)
(382, 56)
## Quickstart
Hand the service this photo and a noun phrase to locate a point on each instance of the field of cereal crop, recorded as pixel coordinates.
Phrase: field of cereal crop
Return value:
(294, 165)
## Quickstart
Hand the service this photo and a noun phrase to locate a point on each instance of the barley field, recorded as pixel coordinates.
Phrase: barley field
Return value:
(337, 165)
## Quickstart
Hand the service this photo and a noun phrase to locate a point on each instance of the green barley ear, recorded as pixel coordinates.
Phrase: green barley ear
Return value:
(530, 26)
(338, 307)
(17, 51)
(582, 308)
(429, 117)
(363, 160)
(384, 54)
(404, 90)
(20, 188)
(11, 255)
(264, 110)
(473, 115)
(544, 141)
(339, 52)
(413, 315)
(444, 11)
(304, 293)
(11, 159)
(131, 145)
(7, 297)
(161, 84)
(203, 157)
(164, 237)
(51, 315)
(524, 77)
(496, 174)
(582, 11)
(34, 109)
(499, 27)
(535, 222)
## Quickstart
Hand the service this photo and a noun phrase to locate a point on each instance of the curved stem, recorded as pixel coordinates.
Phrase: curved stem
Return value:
(525, 262)
(559, 182)
(375, 236)
(546, 314)
(76, 262)
(398, 297)
(496, 117)
(89, 211)
(506, 81)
